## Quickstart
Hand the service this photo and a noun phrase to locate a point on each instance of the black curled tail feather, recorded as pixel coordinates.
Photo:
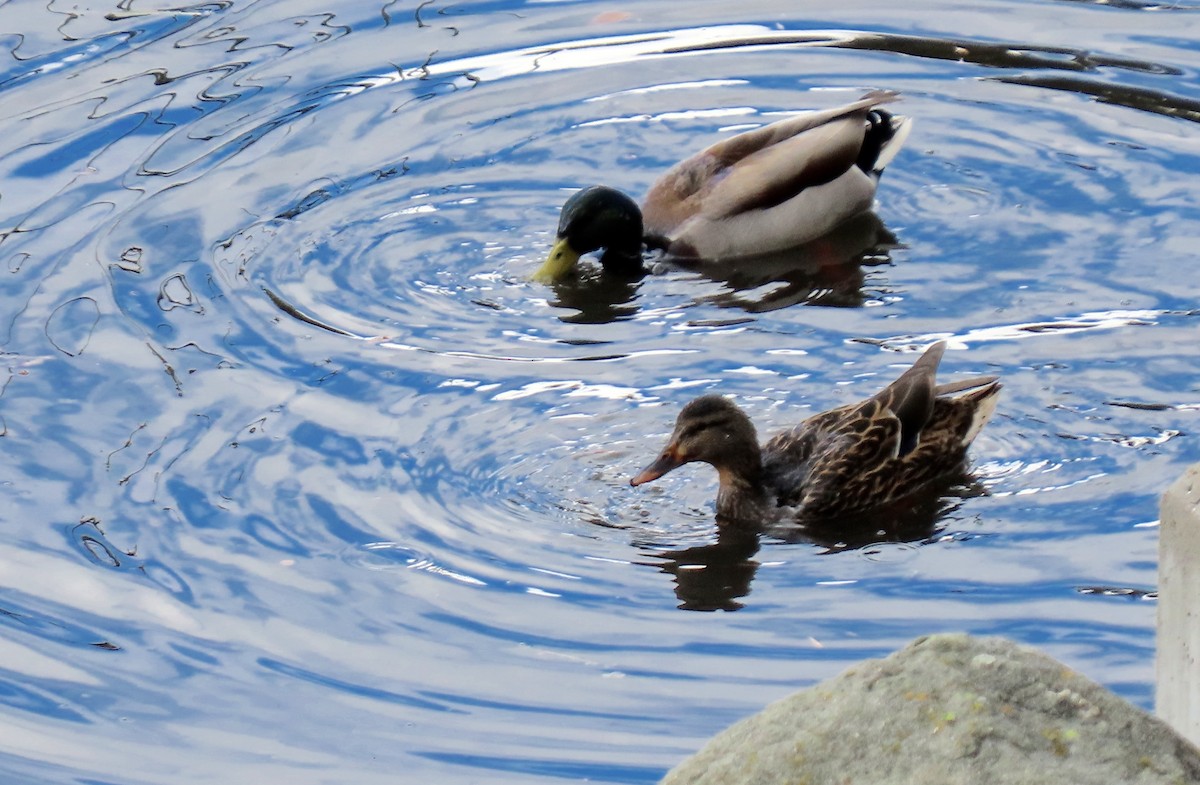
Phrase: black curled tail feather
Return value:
(881, 129)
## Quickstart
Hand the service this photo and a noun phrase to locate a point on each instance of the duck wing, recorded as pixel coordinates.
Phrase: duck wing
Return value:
(817, 457)
(732, 150)
(776, 186)
(909, 434)
(911, 397)
(851, 451)
(795, 156)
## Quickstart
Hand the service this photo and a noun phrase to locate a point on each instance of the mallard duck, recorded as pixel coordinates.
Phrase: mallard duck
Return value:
(764, 190)
(844, 461)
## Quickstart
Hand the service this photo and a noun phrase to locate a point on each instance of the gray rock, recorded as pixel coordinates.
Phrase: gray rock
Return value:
(948, 709)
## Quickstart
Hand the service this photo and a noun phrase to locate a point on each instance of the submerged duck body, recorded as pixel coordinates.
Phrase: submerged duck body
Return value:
(762, 191)
(841, 462)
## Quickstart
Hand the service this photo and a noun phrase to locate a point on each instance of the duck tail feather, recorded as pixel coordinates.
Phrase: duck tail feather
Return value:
(899, 129)
(880, 96)
(963, 384)
(983, 403)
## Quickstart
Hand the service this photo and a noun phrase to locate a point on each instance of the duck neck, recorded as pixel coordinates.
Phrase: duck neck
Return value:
(626, 262)
(741, 495)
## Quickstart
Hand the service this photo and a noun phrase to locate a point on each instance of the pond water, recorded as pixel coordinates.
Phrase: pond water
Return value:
(304, 481)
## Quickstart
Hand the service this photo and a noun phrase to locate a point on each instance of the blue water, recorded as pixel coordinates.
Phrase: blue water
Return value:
(304, 481)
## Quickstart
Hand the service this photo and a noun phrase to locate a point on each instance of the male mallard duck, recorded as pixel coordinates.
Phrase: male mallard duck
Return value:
(764, 190)
(843, 461)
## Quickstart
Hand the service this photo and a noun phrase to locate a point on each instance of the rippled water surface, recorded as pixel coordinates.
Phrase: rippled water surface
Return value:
(304, 481)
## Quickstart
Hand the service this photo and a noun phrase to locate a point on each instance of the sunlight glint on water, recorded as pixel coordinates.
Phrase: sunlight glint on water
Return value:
(306, 482)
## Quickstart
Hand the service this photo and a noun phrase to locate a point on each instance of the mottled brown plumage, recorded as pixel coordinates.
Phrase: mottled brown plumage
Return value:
(840, 462)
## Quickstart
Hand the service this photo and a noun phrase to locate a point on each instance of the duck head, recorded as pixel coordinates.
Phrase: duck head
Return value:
(712, 430)
(594, 218)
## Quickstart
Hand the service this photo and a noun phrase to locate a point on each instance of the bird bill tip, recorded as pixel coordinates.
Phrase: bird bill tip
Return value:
(559, 262)
(670, 459)
(644, 476)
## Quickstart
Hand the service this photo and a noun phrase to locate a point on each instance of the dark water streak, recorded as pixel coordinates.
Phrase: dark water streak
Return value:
(285, 427)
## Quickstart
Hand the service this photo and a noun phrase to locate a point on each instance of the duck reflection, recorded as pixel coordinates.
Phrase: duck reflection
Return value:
(828, 271)
(597, 296)
(918, 517)
(717, 575)
(712, 577)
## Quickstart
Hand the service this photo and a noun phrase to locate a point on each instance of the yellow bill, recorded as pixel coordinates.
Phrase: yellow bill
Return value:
(561, 261)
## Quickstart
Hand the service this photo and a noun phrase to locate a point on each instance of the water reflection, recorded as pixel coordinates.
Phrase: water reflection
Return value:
(715, 576)
(597, 296)
(1061, 325)
(828, 271)
(1001, 55)
(1146, 100)
(275, 498)
(988, 54)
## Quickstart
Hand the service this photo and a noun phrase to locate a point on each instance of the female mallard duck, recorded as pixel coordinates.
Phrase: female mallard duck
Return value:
(843, 461)
(764, 190)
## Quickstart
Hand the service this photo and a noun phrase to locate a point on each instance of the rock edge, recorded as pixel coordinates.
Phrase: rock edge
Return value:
(948, 708)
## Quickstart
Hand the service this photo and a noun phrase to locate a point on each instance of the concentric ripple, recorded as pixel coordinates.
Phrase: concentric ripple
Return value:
(308, 482)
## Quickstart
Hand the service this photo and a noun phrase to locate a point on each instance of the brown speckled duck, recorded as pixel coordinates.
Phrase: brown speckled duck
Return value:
(764, 190)
(841, 462)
